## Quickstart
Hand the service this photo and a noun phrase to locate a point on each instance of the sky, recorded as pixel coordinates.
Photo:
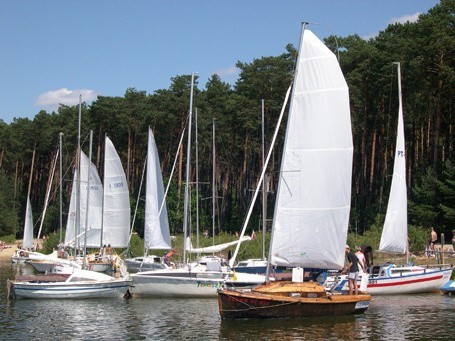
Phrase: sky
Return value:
(52, 51)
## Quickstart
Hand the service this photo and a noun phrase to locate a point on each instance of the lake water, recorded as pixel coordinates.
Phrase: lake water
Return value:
(426, 316)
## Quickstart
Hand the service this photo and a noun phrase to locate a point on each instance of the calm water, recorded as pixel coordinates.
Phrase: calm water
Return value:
(429, 316)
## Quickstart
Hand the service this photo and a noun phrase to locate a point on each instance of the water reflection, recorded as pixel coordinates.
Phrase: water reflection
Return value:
(429, 316)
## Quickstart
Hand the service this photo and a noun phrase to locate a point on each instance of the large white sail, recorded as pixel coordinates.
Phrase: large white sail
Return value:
(27, 242)
(156, 229)
(314, 192)
(116, 206)
(394, 236)
(95, 207)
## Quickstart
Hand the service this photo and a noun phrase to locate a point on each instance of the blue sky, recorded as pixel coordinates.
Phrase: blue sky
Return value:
(51, 51)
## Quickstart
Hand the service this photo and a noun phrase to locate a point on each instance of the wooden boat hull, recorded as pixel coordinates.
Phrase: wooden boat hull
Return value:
(286, 299)
(233, 304)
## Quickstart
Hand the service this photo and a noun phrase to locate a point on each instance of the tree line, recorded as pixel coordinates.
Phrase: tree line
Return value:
(425, 50)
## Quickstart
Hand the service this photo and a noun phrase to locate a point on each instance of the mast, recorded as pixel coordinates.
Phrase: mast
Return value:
(48, 193)
(60, 135)
(187, 184)
(88, 198)
(78, 181)
(264, 193)
(214, 183)
(269, 154)
(104, 193)
(197, 183)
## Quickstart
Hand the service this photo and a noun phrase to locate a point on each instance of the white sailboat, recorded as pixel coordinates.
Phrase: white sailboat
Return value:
(198, 279)
(313, 198)
(76, 283)
(116, 200)
(156, 227)
(74, 234)
(389, 278)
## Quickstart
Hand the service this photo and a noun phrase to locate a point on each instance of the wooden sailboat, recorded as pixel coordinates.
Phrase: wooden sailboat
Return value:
(313, 199)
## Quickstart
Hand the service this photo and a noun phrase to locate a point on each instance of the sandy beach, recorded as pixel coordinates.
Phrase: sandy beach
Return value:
(5, 254)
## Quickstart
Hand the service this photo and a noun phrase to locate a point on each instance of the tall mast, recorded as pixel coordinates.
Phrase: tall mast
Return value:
(197, 182)
(89, 175)
(264, 193)
(78, 185)
(214, 184)
(187, 184)
(60, 135)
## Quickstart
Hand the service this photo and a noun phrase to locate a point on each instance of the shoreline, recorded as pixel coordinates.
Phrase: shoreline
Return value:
(5, 254)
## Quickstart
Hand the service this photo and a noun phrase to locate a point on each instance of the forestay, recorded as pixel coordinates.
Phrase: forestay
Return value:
(95, 207)
(394, 236)
(314, 191)
(116, 206)
(156, 229)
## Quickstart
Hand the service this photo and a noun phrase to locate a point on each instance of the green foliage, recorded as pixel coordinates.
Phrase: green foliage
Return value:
(10, 239)
(425, 50)
(8, 212)
(51, 242)
(136, 246)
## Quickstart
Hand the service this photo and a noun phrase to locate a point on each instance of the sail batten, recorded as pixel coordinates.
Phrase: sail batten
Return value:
(314, 190)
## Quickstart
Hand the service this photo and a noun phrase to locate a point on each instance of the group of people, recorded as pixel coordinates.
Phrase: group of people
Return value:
(106, 251)
(357, 265)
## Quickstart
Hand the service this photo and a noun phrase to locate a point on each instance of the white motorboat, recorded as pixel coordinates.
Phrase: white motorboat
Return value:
(390, 279)
(78, 284)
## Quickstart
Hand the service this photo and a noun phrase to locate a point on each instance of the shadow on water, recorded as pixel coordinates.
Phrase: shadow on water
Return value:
(337, 327)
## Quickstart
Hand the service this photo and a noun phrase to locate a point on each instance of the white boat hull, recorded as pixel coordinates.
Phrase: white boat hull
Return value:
(152, 283)
(70, 290)
(430, 280)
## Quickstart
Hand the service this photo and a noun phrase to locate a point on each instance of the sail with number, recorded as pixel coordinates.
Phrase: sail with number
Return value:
(116, 205)
(314, 191)
(95, 211)
(394, 236)
(156, 229)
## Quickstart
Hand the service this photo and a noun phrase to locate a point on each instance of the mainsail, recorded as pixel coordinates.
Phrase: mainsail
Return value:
(156, 229)
(95, 211)
(116, 205)
(394, 236)
(314, 191)
(27, 242)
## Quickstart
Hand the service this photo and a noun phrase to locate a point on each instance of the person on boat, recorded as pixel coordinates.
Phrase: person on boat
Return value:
(353, 268)
(362, 268)
(109, 251)
(168, 256)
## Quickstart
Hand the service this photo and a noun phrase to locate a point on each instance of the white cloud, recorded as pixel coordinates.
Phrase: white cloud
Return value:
(51, 99)
(228, 71)
(400, 20)
(405, 18)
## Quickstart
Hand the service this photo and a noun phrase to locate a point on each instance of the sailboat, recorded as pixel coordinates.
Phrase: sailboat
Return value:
(21, 255)
(156, 227)
(391, 278)
(313, 199)
(201, 278)
(75, 282)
